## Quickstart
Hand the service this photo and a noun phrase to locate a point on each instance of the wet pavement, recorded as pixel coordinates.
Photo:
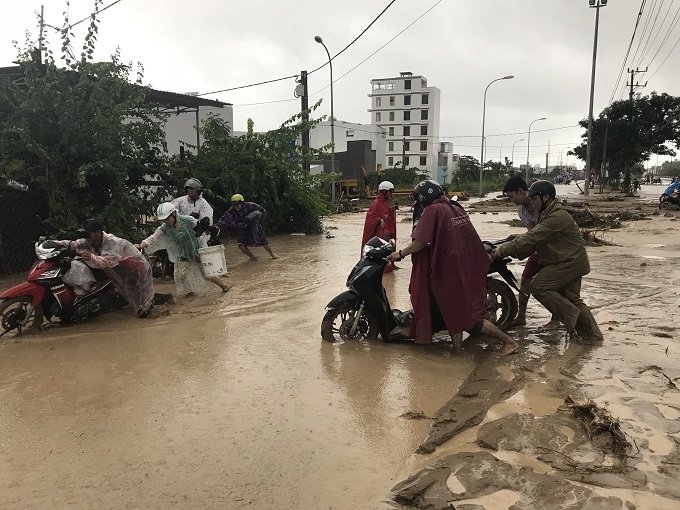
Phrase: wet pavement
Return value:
(234, 401)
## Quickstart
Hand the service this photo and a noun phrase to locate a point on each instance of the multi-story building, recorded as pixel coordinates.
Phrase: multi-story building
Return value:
(447, 163)
(408, 110)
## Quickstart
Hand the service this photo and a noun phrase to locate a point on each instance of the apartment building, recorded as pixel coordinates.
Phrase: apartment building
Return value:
(408, 110)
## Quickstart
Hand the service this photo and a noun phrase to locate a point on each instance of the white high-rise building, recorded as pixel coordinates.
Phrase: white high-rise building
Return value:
(408, 110)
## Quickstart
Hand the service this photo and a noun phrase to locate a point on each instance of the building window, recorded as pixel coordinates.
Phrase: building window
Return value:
(445, 161)
(391, 131)
(407, 115)
(407, 146)
(390, 161)
(407, 130)
(392, 116)
(390, 146)
(349, 133)
(423, 114)
(407, 84)
(377, 117)
(378, 101)
(423, 145)
(423, 130)
(442, 147)
(383, 86)
(391, 100)
(406, 162)
(407, 100)
(425, 99)
(423, 160)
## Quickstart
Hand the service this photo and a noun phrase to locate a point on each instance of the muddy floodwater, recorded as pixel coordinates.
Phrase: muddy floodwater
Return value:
(234, 401)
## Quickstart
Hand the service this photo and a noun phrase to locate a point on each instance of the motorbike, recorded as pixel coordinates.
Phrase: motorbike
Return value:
(666, 201)
(363, 311)
(45, 295)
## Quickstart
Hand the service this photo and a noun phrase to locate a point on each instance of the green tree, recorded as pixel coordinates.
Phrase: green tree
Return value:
(670, 168)
(85, 133)
(265, 168)
(402, 178)
(634, 131)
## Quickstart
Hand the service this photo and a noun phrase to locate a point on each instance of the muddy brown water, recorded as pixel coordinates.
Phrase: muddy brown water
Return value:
(234, 401)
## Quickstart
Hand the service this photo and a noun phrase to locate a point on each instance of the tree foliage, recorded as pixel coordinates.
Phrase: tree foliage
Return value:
(634, 131)
(85, 133)
(265, 168)
(402, 178)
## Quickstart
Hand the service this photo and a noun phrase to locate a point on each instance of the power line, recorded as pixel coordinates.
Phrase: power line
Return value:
(355, 39)
(630, 44)
(649, 35)
(671, 27)
(249, 85)
(99, 12)
(381, 47)
(310, 72)
(664, 60)
(663, 21)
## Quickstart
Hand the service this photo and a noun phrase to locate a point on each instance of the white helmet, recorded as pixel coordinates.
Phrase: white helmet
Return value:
(164, 210)
(386, 186)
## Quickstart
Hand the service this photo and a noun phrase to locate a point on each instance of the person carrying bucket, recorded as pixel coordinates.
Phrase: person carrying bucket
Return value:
(177, 235)
(246, 217)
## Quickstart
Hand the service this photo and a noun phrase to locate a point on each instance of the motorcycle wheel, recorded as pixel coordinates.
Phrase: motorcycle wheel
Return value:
(501, 303)
(17, 312)
(337, 323)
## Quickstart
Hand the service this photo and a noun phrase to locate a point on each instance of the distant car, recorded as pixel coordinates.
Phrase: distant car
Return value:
(656, 180)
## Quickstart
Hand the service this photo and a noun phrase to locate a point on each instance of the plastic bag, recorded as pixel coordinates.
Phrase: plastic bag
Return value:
(80, 277)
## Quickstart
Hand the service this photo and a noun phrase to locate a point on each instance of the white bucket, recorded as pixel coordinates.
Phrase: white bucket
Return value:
(212, 260)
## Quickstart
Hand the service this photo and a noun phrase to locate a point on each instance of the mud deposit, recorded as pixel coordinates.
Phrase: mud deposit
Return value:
(233, 401)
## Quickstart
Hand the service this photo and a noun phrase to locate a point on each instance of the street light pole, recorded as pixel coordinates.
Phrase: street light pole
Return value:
(330, 64)
(481, 159)
(526, 170)
(513, 151)
(596, 4)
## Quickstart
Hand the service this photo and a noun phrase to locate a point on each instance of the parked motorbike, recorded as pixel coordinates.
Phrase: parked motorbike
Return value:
(44, 295)
(363, 312)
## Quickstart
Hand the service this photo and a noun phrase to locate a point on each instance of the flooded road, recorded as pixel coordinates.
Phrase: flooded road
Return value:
(234, 401)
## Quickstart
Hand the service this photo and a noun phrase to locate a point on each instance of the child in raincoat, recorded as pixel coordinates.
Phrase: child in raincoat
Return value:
(177, 236)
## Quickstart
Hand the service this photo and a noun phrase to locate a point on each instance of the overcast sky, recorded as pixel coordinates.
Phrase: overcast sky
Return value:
(459, 46)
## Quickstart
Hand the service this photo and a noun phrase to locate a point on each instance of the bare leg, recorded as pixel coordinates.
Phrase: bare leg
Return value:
(269, 250)
(247, 251)
(457, 339)
(218, 281)
(490, 329)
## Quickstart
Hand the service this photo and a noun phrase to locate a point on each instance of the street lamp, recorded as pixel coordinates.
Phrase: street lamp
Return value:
(526, 170)
(481, 160)
(318, 39)
(596, 4)
(513, 151)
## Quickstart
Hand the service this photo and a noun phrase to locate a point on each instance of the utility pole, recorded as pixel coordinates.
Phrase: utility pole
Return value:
(304, 108)
(403, 153)
(603, 167)
(633, 86)
(42, 28)
(546, 159)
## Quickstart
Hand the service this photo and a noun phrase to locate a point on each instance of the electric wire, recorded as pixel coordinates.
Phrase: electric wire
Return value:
(99, 12)
(646, 44)
(296, 75)
(663, 21)
(644, 31)
(665, 59)
(354, 40)
(625, 59)
(380, 48)
(671, 28)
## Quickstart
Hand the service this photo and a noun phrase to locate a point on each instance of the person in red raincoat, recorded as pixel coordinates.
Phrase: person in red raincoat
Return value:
(381, 218)
(448, 279)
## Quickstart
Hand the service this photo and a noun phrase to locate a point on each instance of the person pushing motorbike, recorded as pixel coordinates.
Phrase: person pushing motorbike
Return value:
(122, 263)
(381, 218)
(563, 259)
(448, 279)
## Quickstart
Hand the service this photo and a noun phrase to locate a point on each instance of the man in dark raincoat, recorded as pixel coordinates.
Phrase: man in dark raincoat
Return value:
(381, 218)
(448, 279)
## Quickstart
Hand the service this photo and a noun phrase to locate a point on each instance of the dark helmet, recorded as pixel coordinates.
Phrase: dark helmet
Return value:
(426, 191)
(542, 188)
